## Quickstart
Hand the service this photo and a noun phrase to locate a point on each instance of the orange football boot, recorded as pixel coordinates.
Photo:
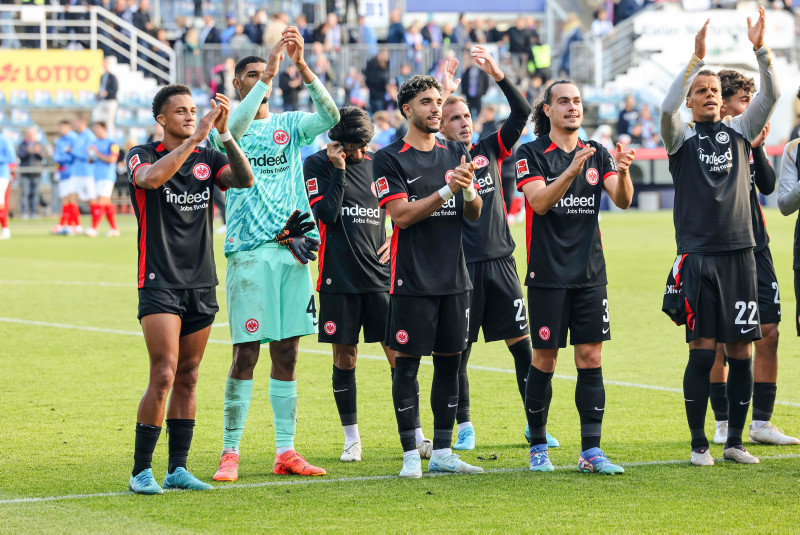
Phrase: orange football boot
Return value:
(291, 462)
(228, 468)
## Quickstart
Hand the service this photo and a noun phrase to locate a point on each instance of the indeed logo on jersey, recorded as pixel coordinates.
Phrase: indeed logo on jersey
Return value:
(188, 201)
(448, 208)
(270, 164)
(360, 214)
(716, 162)
(577, 205)
(485, 184)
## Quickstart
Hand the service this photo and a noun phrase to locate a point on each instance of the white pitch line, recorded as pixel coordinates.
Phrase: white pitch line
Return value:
(70, 283)
(320, 481)
(131, 285)
(369, 357)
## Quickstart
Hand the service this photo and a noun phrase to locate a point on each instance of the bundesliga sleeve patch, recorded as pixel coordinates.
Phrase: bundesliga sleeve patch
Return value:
(134, 161)
(383, 186)
(312, 186)
(522, 167)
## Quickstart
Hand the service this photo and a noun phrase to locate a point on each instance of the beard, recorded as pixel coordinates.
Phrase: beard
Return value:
(420, 124)
(572, 128)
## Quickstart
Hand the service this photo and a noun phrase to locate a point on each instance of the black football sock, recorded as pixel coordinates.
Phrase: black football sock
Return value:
(444, 399)
(538, 393)
(523, 354)
(462, 414)
(740, 392)
(344, 392)
(406, 400)
(590, 399)
(696, 385)
(417, 421)
(764, 400)
(146, 439)
(392, 372)
(718, 394)
(180, 433)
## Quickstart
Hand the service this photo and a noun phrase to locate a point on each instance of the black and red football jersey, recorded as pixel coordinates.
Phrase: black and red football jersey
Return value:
(428, 256)
(175, 220)
(489, 237)
(564, 247)
(348, 256)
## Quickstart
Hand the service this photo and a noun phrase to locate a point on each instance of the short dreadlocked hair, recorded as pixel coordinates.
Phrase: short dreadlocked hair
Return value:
(732, 81)
(165, 93)
(353, 128)
(413, 87)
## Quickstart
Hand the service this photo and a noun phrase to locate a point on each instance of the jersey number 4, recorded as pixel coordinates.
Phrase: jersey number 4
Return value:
(312, 309)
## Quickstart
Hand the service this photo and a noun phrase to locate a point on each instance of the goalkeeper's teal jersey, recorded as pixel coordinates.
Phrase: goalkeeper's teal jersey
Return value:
(256, 215)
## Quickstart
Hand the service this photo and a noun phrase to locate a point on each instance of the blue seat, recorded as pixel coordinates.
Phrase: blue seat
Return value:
(124, 117)
(87, 99)
(42, 98)
(64, 98)
(18, 97)
(20, 117)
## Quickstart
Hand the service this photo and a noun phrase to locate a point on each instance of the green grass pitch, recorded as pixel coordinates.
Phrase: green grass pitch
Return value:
(74, 366)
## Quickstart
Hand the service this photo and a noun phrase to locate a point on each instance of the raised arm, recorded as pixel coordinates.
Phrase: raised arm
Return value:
(520, 108)
(246, 111)
(327, 114)
(755, 117)
(449, 84)
(789, 185)
(672, 130)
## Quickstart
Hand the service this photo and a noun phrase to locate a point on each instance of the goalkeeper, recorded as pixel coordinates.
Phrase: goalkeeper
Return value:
(268, 245)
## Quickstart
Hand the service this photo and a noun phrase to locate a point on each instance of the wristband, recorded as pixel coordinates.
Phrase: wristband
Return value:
(226, 136)
(446, 193)
(470, 193)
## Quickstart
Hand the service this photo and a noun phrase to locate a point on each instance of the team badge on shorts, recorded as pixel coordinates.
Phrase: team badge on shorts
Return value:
(480, 161)
(544, 333)
(251, 325)
(401, 336)
(201, 171)
(592, 176)
(330, 328)
(280, 137)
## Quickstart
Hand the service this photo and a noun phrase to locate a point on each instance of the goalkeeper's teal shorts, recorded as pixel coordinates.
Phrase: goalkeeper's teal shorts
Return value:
(270, 295)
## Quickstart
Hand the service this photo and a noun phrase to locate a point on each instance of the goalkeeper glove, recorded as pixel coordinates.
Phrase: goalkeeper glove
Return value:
(301, 247)
(295, 226)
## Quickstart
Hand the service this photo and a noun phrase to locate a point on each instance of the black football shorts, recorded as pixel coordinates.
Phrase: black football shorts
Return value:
(769, 299)
(582, 311)
(421, 325)
(497, 304)
(721, 296)
(195, 306)
(342, 315)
